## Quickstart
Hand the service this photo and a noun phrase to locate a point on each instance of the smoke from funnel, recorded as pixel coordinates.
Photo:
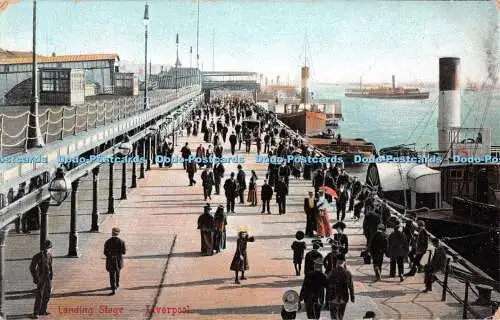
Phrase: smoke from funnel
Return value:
(491, 48)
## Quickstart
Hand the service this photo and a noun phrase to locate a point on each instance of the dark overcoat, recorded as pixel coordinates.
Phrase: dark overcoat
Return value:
(240, 259)
(114, 249)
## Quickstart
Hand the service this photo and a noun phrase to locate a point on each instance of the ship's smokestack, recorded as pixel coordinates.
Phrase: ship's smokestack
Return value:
(393, 82)
(304, 85)
(449, 101)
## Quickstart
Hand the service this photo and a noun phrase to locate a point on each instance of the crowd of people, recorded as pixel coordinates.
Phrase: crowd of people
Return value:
(327, 280)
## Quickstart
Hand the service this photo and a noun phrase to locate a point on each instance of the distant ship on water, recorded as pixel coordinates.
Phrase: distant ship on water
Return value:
(387, 93)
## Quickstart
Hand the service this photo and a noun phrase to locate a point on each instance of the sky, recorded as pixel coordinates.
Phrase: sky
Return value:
(342, 41)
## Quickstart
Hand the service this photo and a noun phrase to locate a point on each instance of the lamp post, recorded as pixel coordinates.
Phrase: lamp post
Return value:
(124, 150)
(146, 22)
(59, 190)
(34, 133)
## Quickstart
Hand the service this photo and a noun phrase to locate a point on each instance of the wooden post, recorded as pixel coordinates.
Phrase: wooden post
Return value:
(445, 281)
(466, 299)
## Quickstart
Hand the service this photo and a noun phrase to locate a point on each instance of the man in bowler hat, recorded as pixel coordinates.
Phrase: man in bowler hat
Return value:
(114, 249)
(41, 271)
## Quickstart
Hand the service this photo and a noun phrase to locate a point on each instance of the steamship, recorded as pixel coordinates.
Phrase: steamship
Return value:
(298, 111)
(460, 202)
(387, 93)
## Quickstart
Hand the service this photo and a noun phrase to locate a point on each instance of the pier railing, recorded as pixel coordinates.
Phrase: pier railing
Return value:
(456, 273)
(55, 124)
(463, 272)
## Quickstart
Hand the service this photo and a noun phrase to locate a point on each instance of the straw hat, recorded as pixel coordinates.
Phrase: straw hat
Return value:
(291, 301)
(242, 229)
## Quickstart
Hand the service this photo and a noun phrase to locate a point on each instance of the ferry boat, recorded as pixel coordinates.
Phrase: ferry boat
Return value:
(458, 194)
(387, 93)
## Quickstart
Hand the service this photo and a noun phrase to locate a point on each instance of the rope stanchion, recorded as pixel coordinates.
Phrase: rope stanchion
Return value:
(26, 136)
(47, 127)
(62, 123)
(76, 121)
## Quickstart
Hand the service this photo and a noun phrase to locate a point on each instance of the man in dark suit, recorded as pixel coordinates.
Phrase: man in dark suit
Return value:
(207, 180)
(311, 211)
(281, 190)
(114, 249)
(242, 183)
(342, 288)
(266, 194)
(218, 174)
(41, 271)
(421, 245)
(232, 140)
(231, 191)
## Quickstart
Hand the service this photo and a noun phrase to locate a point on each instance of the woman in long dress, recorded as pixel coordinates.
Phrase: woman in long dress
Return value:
(240, 259)
(324, 227)
(252, 192)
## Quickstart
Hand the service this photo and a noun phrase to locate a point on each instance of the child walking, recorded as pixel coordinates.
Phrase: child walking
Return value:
(298, 247)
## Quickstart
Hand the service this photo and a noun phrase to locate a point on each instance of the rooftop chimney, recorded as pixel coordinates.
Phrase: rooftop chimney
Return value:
(449, 101)
(393, 82)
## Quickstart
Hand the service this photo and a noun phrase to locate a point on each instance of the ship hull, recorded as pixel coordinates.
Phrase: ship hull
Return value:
(304, 121)
(419, 96)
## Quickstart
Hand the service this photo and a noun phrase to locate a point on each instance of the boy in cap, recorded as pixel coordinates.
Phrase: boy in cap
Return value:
(298, 247)
(114, 249)
(41, 271)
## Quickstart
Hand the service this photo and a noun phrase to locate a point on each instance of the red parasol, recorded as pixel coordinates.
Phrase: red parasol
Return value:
(330, 191)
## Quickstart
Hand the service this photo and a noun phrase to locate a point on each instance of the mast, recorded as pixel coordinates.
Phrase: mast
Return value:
(198, 37)
(305, 77)
(213, 50)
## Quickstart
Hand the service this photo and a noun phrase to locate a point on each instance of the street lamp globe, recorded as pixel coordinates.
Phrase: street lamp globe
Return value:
(60, 187)
(125, 147)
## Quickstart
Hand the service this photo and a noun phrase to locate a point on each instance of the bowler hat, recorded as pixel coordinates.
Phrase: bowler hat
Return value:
(47, 244)
(340, 225)
(291, 301)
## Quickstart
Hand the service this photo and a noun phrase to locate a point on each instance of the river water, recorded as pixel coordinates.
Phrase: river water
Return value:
(391, 122)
